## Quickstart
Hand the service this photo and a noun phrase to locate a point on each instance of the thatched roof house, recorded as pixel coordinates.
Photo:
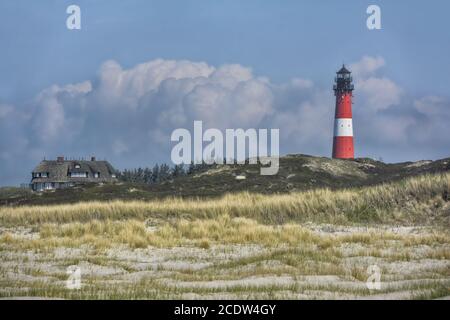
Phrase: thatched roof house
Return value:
(62, 173)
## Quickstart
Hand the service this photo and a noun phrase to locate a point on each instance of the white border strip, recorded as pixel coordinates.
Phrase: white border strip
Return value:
(343, 127)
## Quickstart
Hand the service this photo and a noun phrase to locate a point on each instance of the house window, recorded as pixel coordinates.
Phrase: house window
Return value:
(40, 174)
(78, 174)
(97, 175)
(77, 166)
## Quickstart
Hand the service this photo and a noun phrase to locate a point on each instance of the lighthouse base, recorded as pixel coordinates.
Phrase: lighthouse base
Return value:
(343, 148)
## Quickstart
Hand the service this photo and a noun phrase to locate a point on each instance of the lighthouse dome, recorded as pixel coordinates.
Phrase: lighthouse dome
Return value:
(343, 70)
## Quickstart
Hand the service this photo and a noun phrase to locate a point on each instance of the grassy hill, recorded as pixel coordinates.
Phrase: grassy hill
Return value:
(313, 244)
(311, 232)
(297, 173)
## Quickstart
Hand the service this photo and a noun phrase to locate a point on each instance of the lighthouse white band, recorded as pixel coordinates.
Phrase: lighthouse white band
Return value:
(343, 127)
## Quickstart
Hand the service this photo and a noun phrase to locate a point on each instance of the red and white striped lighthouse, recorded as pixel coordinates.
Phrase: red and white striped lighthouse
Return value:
(343, 126)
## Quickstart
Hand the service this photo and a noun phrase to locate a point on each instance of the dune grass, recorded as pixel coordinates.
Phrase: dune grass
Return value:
(238, 246)
(418, 200)
(286, 256)
(104, 234)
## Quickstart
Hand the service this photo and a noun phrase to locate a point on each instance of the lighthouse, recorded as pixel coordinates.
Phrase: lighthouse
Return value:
(343, 126)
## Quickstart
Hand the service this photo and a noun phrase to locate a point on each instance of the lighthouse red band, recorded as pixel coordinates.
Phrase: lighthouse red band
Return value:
(343, 127)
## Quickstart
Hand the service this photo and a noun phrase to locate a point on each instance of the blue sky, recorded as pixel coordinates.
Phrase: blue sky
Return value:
(278, 40)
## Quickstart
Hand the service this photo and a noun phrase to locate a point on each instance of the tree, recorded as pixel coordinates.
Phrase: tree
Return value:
(178, 171)
(148, 176)
(164, 172)
(158, 174)
(191, 168)
(155, 174)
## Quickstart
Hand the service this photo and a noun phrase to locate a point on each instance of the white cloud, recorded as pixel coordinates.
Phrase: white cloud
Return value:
(376, 92)
(379, 93)
(366, 67)
(433, 106)
(124, 88)
(127, 115)
(302, 83)
(49, 120)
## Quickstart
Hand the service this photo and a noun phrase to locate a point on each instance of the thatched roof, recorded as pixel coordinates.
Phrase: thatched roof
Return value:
(59, 171)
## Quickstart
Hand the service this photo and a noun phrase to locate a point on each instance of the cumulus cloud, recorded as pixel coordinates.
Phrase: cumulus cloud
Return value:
(304, 114)
(367, 66)
(124, 88)
(433, 106)
(392, 123)
(377, 92)
(127, 115)
(57, 111)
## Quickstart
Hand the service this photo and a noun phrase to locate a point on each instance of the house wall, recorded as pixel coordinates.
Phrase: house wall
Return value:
(42, 186)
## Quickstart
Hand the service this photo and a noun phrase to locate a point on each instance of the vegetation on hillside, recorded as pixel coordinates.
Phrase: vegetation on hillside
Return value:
(310, 232)
(418, 200)
(311, 244)
(297, 173)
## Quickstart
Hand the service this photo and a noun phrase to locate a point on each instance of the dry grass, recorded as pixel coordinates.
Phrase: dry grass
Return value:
(201, 233)
(239, 246)
(208, 258)
(416, 200)
(205, 232)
